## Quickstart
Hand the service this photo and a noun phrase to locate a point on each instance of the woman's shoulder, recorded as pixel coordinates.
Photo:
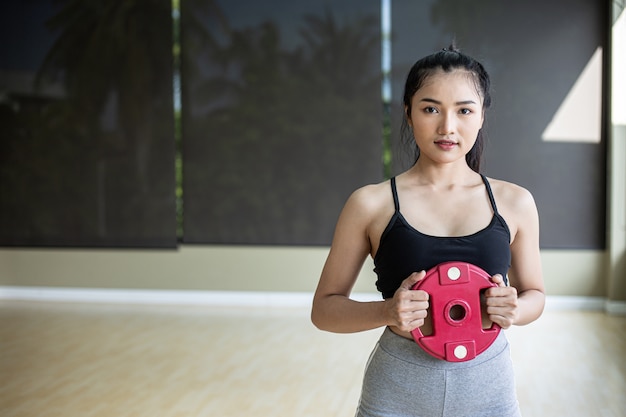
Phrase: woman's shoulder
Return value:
(366, 210)
(512, 198)
(372, 196)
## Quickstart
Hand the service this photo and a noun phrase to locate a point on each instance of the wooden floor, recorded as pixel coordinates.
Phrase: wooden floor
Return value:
(79, 360)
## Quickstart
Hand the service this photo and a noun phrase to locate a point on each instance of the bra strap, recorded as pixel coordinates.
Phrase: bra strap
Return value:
(394, 191)
(491, 198)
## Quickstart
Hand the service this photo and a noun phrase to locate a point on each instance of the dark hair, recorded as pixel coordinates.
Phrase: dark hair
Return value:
(447, 59)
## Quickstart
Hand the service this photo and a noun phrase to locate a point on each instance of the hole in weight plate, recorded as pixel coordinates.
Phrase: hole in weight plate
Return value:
(457, 312)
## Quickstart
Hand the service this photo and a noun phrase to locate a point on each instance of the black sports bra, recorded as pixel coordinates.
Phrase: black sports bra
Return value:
(404, 250)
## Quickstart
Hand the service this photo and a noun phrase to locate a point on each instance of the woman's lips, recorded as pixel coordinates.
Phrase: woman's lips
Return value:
(445, 144)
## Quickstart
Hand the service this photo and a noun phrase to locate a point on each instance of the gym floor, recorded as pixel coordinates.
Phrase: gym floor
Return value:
(71, 360)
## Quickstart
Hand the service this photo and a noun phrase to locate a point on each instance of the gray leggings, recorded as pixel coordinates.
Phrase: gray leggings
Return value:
(401, 380)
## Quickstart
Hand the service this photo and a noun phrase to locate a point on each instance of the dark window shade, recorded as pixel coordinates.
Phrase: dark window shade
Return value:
(281, 117)
(534, 51)
(87, 129)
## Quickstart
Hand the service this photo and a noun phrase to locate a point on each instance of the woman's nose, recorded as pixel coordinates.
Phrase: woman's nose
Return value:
(446, 125)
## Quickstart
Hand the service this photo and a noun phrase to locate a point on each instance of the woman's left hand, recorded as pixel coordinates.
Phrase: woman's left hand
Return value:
(501, 301)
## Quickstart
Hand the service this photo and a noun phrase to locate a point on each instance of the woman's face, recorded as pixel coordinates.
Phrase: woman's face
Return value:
(446, 115)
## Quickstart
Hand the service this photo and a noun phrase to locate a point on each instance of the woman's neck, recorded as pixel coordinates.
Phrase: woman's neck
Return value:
(445, 175)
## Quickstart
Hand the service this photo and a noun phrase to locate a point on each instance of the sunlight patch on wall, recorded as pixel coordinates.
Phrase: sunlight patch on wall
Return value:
(579, 116)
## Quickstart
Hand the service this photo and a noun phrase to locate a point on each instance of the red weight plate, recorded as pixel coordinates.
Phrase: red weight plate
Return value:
(454, 289)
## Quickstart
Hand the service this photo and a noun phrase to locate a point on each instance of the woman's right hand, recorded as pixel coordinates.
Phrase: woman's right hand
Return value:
(407, 309)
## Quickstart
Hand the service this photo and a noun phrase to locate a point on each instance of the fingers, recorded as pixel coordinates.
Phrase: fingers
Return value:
(504, 318)
(409, 317)
(409, 282)
(499, 280)
(502, 305)
(405, 293)
(408, 308)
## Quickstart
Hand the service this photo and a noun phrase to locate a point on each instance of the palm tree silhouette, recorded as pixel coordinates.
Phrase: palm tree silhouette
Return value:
(274, 125)
(114, 61)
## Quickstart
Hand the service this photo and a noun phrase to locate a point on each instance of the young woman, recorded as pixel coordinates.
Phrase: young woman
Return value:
(441, 209)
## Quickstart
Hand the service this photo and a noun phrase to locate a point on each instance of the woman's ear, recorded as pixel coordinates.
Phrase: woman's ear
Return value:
(407, 114)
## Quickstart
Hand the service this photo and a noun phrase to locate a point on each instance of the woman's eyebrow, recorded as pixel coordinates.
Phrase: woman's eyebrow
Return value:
(458, 103)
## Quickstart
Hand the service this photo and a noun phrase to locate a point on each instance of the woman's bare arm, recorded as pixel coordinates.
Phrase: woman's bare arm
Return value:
(333, 310)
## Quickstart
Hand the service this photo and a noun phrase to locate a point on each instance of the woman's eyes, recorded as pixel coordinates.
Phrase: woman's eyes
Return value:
(431, 109)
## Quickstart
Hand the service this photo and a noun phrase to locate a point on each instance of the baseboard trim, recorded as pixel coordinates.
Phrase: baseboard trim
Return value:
(568, 302)
(617, 308)
(170, 297)
(244, 298)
